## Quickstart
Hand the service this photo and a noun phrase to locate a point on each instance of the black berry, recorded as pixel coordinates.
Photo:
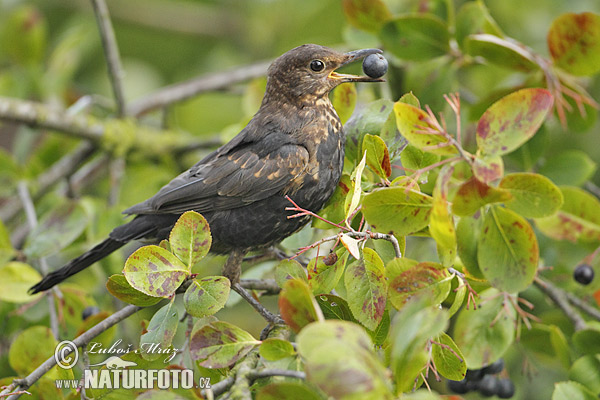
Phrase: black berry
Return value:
(474, 375)
(458, 387)
(506, 389)
(375, 65)
(494, 367)
(488, 386)
(584, 274)
(89, 311)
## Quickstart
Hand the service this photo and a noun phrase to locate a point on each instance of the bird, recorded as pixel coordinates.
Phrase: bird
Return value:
(293, 146)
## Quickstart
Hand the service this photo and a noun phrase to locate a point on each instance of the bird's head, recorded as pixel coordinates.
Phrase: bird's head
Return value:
(309, 71)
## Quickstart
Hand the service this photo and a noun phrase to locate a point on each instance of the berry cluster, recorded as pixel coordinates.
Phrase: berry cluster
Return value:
(485, 382)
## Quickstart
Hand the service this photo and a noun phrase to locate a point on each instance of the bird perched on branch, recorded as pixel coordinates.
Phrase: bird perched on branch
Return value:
(293, 146)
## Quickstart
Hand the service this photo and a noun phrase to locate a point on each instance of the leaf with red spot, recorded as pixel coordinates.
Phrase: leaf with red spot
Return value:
(366, 288)
(507, 250)
(512, 120)
(323, 277)
(488, 168)
(155, 271)
(161, 329)
(297, 305)
(577, 219)
(118, 286)
(206, 296)
(190, 238)
(343, 99)
(396, 210)
(574, 43)
(220, 344)
(534, 195)
(378, 156)
(413, 123)
(408, 278)
(367, 15)
(473, 194)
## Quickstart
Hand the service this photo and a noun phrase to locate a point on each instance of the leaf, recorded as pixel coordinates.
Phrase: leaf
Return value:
(441, 224)
(206, 296)
(118, 286)
(323, 278)
(459, 297)
(533, 195)
(289, 391)
(351, 205)
(474, 17)
(416, 37)
(571, 391)
(155, 271)
(351, 245)
(504, 52)
(574, 43)
(577, 219)
(190, 238)
(343, 99)
(482, 334)
(586, 371)
(30, 349)
(415, 159)
(273, 349)
(378, 156)
(339, 359)
(289, 269)
(297, 305)
(587, 341)
(220, 344)
(474, 194)
(507, 251)
(413, 123)
(488, 168)
(6, 249)
(408, 280)
(161, 329)
(449, 360)
(334, 208)
(570, 167)
(335, 307)
(397, 211)
(367, 15)
(57, 229)
(366, 288)
(17, 278)
(468, 231)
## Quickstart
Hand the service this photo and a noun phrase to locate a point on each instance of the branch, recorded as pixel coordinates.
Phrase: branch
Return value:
(560, 299)
(266, 314)
(583, 306)
(268, 285)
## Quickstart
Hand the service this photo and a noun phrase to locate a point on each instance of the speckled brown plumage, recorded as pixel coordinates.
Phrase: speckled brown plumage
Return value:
(294, 146)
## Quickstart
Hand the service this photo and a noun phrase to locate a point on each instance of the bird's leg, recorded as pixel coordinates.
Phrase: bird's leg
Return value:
(233, 266)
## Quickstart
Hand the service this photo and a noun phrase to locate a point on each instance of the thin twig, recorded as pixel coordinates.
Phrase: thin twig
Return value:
(560, 299)
(268, 285)
(266, 314)
(583, 306)
(266, 373)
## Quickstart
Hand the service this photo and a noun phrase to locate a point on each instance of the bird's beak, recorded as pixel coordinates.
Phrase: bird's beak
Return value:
(351, 57)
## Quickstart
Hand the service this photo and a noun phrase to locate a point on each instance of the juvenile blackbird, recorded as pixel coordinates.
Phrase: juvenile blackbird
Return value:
(293, 146)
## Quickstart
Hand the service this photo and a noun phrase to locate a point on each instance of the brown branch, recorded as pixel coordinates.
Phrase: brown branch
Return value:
(268, 285)
(560, 299)
(266, 314)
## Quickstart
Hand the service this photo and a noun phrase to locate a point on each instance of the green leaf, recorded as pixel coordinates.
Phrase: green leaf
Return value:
(220, 344)
(459, 297)
(118, 286)
(343, 99)
(366, 288)
(190, 238)
(587, 341)
(485, 333)
(288, 391)
(367, 15)
(397, 211)
(441, 223)
(415, 159)
(17, 278)
(512, 120)
(577, 219)
(297, 305)
(586, 370)
(425, 279)
(571, 391)
(574, 43)
(6, 249)
(206, 296)
(155, 271)
(533, 195)
(378, 156)
(449, 360)
(289, 269)
(334, 208)
(58, 228)
(161, 329)
(474, 194)
(571, 167)
(488, 168)
(323, 278)
(467, 236)
(504, 52)
(474, 17)
(24, 35)
(416, 37)
(30, 349)
(339, 359)
(413, 123)
(335, 307)
(274, 349)
(507, 251)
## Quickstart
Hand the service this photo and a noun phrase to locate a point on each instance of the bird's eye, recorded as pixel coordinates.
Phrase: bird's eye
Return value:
(317, 65)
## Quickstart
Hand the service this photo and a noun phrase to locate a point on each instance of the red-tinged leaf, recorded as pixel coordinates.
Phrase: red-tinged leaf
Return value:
(190, 238)
(501, 51)
(416, 37)
(366, 288)
(577, 219)
(488, 169)
(473, 194)
(118, 286)
(378, 156)
(574, 43)
(206, 296)
(534, 195)
(351, 245)
(324, 276)
(155, 271)
(507, 251)
(368, 15)
(289, 269)
(410, 279)
(220, 344)
(161, 330)
(441, 224)
(343, 99)
(413, 124)
(297, 305)
(512, 120)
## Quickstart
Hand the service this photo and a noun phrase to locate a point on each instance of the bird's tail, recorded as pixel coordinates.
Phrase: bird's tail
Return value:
(77, 264)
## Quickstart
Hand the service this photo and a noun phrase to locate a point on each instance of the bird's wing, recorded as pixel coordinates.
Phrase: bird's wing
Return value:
(229, 180)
